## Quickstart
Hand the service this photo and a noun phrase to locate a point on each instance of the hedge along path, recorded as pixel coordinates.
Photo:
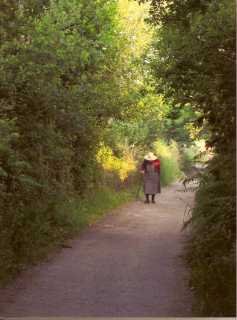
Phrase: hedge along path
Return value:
(128, 264)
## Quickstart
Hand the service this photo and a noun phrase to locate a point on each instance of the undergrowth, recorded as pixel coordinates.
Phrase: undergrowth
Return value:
(79, 213)
(32, 236)
(211, 250)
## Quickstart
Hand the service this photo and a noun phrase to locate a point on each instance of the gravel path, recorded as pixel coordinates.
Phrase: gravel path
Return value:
(129, 264)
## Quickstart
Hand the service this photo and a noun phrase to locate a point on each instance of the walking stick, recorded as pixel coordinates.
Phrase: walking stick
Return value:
(139, 188)
(138, 191)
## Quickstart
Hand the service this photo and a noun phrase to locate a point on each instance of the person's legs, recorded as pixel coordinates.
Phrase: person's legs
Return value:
(147, 199)
(153, 198)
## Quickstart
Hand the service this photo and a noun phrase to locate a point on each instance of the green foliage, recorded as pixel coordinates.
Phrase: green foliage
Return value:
(211, 251)
(119, 169)
(68, 68)
(78, 108)
(180, 123)
(61, 80)
(193, 61)
(196, 152)
(86, 211)
(170, 157)
(33, 234)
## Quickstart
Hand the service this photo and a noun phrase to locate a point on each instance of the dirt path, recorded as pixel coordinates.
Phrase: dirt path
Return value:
(129, 264)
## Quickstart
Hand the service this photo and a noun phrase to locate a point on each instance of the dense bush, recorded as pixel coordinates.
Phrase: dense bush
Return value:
(67, 68)
(193, 60)
(61, 80)
(116, 170)
(211, 251)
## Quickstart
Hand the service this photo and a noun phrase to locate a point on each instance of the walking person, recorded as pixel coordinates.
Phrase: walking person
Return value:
(151, 176)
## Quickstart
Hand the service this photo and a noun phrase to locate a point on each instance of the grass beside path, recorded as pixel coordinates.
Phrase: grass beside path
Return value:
(80, 213)
(67, 219)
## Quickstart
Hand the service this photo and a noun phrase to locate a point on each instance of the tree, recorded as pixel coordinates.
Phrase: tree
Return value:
(194, 62)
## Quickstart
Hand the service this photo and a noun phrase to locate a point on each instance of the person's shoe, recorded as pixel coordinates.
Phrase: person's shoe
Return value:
(153, 201)
(146, 201)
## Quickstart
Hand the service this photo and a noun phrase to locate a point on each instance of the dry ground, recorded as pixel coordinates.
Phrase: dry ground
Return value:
(129, 264)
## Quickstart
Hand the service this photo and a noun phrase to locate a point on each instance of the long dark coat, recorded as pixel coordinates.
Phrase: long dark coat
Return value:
(151, 176)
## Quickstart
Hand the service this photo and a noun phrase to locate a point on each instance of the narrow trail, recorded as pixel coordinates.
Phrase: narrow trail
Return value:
(129, 264)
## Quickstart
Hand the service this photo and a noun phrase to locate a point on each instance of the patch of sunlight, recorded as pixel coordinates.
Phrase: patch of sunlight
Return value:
(122, 167)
